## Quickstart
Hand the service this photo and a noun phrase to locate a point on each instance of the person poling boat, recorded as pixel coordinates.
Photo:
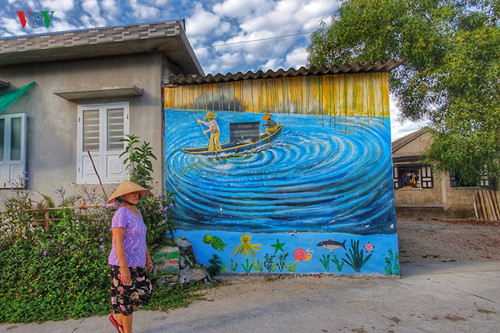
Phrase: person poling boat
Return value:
(270, 124)
(214, 130)
(232, 148)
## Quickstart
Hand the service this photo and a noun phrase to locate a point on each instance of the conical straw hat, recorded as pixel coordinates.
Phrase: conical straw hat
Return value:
(210, 115)
(126, 187)
(267, 116)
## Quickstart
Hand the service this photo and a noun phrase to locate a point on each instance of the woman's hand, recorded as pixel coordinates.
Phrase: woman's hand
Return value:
(149, 264)
(124, 275)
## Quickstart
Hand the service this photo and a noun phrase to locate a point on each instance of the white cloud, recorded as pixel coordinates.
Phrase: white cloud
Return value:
(143, 12)
(261, 44)
(254, 30)
(399, 128)
(12, 27)
(159, 3)
(92, 8)
(205, 23)
(289, 16)
(58, 6)
(238, 8)
(110, 7)
(272, 64)
(224, 62)
(202, 53)
(62, 25)
(296, 58)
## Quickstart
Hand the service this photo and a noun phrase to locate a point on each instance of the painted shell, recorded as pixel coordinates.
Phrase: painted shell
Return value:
(217, 243)
(301, 255)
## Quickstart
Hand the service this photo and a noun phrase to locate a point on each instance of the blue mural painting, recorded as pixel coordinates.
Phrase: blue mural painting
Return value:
(316, 198)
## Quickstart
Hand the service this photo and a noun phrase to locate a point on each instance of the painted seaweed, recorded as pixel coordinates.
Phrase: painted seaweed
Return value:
(233, 265)
(356, 258)
(392, 264)
(269, 263)
(325, 260)
(280, 263)
(291, 267)
(215, 265)
(338, 263)
(258, 266)
(247, 267)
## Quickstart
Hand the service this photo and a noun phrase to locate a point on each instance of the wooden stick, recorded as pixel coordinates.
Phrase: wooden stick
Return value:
(489, 203)
(61, 208)
(202, 128)
(481, 206)
(475, 206)
(495, 204)
(95, 170)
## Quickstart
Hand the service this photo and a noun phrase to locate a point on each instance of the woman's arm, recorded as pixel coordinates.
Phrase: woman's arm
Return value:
(149, 262)
(118, 234)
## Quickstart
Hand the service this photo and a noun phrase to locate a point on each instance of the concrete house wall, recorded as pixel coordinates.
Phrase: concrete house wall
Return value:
(442, 200)
(87, 67)
(52, 120)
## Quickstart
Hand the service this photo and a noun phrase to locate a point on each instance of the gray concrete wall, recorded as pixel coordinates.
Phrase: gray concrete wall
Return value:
(52, 120)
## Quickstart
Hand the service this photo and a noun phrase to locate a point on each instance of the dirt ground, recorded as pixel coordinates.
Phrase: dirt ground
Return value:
(448, 240)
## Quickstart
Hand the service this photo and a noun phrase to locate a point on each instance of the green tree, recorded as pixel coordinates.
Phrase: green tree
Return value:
(451, 77)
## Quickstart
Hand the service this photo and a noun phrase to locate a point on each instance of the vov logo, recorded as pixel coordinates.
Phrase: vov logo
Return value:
(35, 19)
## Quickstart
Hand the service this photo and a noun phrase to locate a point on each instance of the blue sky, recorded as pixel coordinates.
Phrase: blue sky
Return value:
(226, 35)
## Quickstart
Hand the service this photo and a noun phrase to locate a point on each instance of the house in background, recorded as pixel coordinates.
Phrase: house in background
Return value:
(67, 93)
(422, 192)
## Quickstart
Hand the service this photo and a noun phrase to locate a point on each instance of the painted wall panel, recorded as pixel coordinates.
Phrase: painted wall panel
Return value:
(315, 196)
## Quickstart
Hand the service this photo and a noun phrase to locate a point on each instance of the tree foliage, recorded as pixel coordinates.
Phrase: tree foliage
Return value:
(451, 77)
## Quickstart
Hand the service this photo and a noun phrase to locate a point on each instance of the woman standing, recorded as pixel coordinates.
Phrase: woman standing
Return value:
(129, 259)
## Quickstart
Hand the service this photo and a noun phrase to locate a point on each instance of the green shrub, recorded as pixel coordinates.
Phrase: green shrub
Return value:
(154, 208)
(63, 272)
(56, 274)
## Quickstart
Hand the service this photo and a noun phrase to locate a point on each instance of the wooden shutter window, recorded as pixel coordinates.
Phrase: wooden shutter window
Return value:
(426, 177)
(115, 123)
(395, 177)
(90, 130)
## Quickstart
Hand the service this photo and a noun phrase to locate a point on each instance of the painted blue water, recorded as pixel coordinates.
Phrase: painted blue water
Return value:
(307, 242)
(321, 174)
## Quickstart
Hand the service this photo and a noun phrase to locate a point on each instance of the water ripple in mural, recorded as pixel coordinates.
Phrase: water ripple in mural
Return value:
(328, 174)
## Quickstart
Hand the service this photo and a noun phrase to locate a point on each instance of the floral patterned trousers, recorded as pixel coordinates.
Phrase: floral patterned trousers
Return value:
(125, 298)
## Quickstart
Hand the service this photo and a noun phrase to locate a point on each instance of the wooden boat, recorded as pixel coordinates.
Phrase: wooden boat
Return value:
(230, 148)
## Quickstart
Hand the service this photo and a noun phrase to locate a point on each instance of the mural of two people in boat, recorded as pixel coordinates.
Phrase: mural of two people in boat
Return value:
(243, 136)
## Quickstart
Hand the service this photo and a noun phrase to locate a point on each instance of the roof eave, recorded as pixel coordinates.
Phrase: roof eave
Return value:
(354, 68)
(168, 38)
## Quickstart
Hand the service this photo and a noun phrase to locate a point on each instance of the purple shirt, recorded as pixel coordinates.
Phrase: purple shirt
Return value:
(134, 240)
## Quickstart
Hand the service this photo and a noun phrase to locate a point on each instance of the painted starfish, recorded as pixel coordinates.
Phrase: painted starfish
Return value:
(369, 247)
(278, 246)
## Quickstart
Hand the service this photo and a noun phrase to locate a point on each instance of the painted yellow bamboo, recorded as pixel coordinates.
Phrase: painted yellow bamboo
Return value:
(334, 95)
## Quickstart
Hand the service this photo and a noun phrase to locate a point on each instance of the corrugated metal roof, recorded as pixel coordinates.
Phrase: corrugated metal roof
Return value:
(354, 68)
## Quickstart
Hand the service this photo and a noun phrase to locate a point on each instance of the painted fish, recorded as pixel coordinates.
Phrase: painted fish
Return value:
(332, 245)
